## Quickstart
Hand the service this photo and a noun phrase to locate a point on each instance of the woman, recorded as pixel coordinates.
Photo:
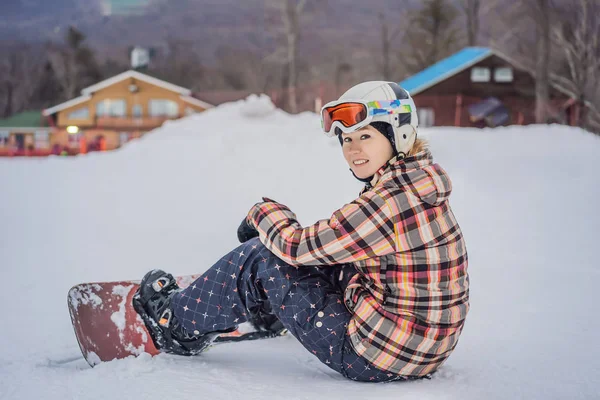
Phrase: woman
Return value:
(378, 292)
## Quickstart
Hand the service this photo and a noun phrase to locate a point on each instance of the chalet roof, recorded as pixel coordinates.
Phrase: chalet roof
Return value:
(186, 94)
(445, 68)
(139, 76)
(462, 60)
(66, 104)
(26, 119)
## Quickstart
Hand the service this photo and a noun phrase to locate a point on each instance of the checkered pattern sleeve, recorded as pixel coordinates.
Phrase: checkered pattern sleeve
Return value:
(360, 230)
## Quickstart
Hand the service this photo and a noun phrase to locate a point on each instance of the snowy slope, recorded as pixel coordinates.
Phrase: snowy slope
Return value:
(526, 198)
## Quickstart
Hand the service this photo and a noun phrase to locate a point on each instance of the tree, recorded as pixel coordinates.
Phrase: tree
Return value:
(20, 68)
(524, 31)
(47, 88)
(291, 16)
(542, 17)
(471, 10)
(178, 62)
(343, 75)
(388, 37)
(291, 13)
(74, 64)
(578, 35)
(251, 74)
(432, 34)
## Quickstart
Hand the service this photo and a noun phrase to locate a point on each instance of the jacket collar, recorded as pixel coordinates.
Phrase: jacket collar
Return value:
(395, 167)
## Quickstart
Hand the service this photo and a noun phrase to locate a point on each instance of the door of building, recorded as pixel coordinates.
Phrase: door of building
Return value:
(20, 141)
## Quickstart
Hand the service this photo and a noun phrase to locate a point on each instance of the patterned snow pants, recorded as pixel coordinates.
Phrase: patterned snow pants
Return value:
(309, 301)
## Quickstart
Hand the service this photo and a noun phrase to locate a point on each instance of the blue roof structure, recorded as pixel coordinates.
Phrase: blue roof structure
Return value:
(445, 68)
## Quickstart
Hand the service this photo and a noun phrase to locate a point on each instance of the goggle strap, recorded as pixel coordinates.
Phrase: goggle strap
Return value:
(386, 107)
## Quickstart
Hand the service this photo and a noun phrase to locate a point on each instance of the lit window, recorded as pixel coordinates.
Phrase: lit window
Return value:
(111, 108)
(80, 113)
(163, 108)
(479, 74)
(42, 139)
(426, 117)
(504, 74)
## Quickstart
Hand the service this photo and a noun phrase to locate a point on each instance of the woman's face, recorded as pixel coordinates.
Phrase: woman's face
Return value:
(366, 150)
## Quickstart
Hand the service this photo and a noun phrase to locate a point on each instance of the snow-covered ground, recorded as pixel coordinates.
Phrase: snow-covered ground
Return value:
(527, 199)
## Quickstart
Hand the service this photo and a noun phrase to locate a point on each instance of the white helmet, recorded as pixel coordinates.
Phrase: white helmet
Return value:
(383, 102)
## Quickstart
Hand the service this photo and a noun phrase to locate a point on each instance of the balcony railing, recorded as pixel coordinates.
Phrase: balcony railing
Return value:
(130, 122)
(11, 152)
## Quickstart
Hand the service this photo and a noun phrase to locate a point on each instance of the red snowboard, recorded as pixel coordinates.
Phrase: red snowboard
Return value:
(108, 328)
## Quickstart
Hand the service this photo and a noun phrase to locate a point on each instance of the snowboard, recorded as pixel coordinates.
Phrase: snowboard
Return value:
(108, 328)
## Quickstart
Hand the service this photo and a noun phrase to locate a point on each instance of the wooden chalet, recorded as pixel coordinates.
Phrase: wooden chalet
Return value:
(105, 116)
(479, 87)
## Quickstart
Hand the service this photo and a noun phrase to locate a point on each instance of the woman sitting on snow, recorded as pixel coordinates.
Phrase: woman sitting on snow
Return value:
(378, 292)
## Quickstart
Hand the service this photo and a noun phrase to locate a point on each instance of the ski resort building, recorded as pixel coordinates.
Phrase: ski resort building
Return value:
(105, 116)
(479, 87)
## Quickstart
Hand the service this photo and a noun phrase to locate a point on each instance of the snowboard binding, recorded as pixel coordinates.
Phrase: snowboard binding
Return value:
(152, 301)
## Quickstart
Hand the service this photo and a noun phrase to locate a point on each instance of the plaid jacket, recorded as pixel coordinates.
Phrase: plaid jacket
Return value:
(410, 296)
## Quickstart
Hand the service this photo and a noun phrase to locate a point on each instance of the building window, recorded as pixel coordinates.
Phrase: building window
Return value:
(163, 108)
(124, 138)
(80, 113)
(426, 117)
(4, 135)
(111, 108)
(504, 74)
(137, 111)
(479, 74)
(42, 140)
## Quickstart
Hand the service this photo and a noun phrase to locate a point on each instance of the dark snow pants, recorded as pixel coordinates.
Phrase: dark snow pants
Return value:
(309, 301)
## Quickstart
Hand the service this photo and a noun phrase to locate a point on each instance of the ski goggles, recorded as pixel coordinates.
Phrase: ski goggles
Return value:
(351, 115)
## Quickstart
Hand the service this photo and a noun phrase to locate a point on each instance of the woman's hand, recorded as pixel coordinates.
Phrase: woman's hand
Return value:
(246, 231)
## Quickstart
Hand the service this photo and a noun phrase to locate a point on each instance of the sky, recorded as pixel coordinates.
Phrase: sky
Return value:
(526, 199)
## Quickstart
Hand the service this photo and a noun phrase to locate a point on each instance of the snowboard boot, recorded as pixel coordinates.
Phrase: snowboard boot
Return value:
(152, 301)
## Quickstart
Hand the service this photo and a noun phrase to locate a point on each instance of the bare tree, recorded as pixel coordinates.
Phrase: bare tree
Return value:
(542, 17)
(388, 37)
(343, 75)
(432, 34)
(73, 63)
(547, 37)
(578, 35)
(471, 9)
(291, 13)
(65, 69)
(20, 68)
(177, 61)
(524, 33)
(508, 27)
(250, 75)
(291, 16)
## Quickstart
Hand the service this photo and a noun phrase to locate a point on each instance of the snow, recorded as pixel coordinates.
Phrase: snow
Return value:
(84, 294)
(118, 317)
(526, 198)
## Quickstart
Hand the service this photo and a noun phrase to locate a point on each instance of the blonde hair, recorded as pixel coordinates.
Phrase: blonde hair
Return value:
(419, 146)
